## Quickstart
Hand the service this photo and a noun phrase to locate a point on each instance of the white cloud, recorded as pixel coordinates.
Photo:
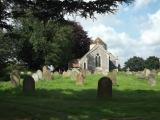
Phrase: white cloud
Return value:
(151, 35)
(121, 44)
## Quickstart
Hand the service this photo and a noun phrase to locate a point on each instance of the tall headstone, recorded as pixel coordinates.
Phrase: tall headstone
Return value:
(39, 73)
(28, 84)
(15, 78)
(46, 73)
(104, 88)
(79, 79)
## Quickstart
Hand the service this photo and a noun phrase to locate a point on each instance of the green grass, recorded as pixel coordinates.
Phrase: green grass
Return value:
(61, 99)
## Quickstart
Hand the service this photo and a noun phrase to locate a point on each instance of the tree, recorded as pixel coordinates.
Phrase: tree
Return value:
(80, 40)
(4, 14)
(55, 43)
(152, 62)
(46, 10)
(135, 64)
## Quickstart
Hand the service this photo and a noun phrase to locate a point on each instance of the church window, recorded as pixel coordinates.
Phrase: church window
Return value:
(98, 61)
(85, 66)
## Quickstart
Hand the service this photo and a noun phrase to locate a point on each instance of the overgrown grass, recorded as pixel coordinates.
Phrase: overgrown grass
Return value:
(61, 99)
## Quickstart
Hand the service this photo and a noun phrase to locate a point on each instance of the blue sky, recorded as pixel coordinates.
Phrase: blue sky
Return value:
(133, 30)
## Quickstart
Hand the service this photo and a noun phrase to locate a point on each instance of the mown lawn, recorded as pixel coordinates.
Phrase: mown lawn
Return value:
(61, 99)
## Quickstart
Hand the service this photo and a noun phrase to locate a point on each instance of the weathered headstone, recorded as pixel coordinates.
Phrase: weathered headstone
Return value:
(46, 74)
(104, 88)
(15, 78)
(113, 76)
(35, 77)
(151, 79)
(74, 73)
(140, 75)
(79, 79)
(56, 73)
(66, 74)
(28, 84)
(147, 72)
(39, 73)
(158, 74)
(29, 73)
(105, 73)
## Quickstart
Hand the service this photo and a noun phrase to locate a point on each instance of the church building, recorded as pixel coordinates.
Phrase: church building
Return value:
(98, 58)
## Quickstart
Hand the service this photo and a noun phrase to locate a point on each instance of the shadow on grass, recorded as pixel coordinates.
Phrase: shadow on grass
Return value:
(68, 104)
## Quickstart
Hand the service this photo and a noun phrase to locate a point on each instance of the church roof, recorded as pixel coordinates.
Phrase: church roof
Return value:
(98, 41)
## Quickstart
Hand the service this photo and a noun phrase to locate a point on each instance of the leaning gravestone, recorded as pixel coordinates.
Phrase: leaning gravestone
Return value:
(46, 74)
(104, 88)
(28, 84)
(35, 77)
(39, 73)
(79, 79)
(113, 76)
(15, 78)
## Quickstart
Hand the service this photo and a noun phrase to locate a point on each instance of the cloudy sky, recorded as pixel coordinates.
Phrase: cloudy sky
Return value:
(132, 31)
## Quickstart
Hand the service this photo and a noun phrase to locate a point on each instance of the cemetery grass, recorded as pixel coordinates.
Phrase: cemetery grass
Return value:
(61, 99)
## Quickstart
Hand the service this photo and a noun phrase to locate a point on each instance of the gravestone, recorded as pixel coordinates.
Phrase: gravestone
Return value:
(147, 72)
(39, 73)
(29, 73)
(35, 77)
(158, 73)
(15, 78)
(104, 88)
(105, 72)
(56, 73)
(28, 84)
(66, 74)
(113, 76)
(79, 79)
(152, 79)
(140, 75)
(74, 73)
(46, 73)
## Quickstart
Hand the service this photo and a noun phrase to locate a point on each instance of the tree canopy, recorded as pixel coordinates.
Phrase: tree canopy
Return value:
(135, 64)
(152, 62)
(46, 10)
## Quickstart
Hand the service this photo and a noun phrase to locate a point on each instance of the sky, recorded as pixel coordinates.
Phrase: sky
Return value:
(133, 30)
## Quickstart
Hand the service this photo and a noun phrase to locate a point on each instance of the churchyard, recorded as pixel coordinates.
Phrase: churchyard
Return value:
(61, 98)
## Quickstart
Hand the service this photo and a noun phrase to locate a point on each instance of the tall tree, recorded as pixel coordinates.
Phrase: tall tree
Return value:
(135, 64)
(152, 63)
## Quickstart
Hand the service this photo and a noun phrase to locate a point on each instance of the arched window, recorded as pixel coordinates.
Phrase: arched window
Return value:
(98, 61)
(85, 66)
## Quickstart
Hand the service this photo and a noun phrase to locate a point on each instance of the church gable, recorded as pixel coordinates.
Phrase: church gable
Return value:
(98, 58)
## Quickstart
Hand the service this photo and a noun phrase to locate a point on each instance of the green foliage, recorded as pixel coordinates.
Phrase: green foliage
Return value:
(61, 99)
(36, 44)
(138, 64)
(135, 64)
(46, 10)
(152, 63)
